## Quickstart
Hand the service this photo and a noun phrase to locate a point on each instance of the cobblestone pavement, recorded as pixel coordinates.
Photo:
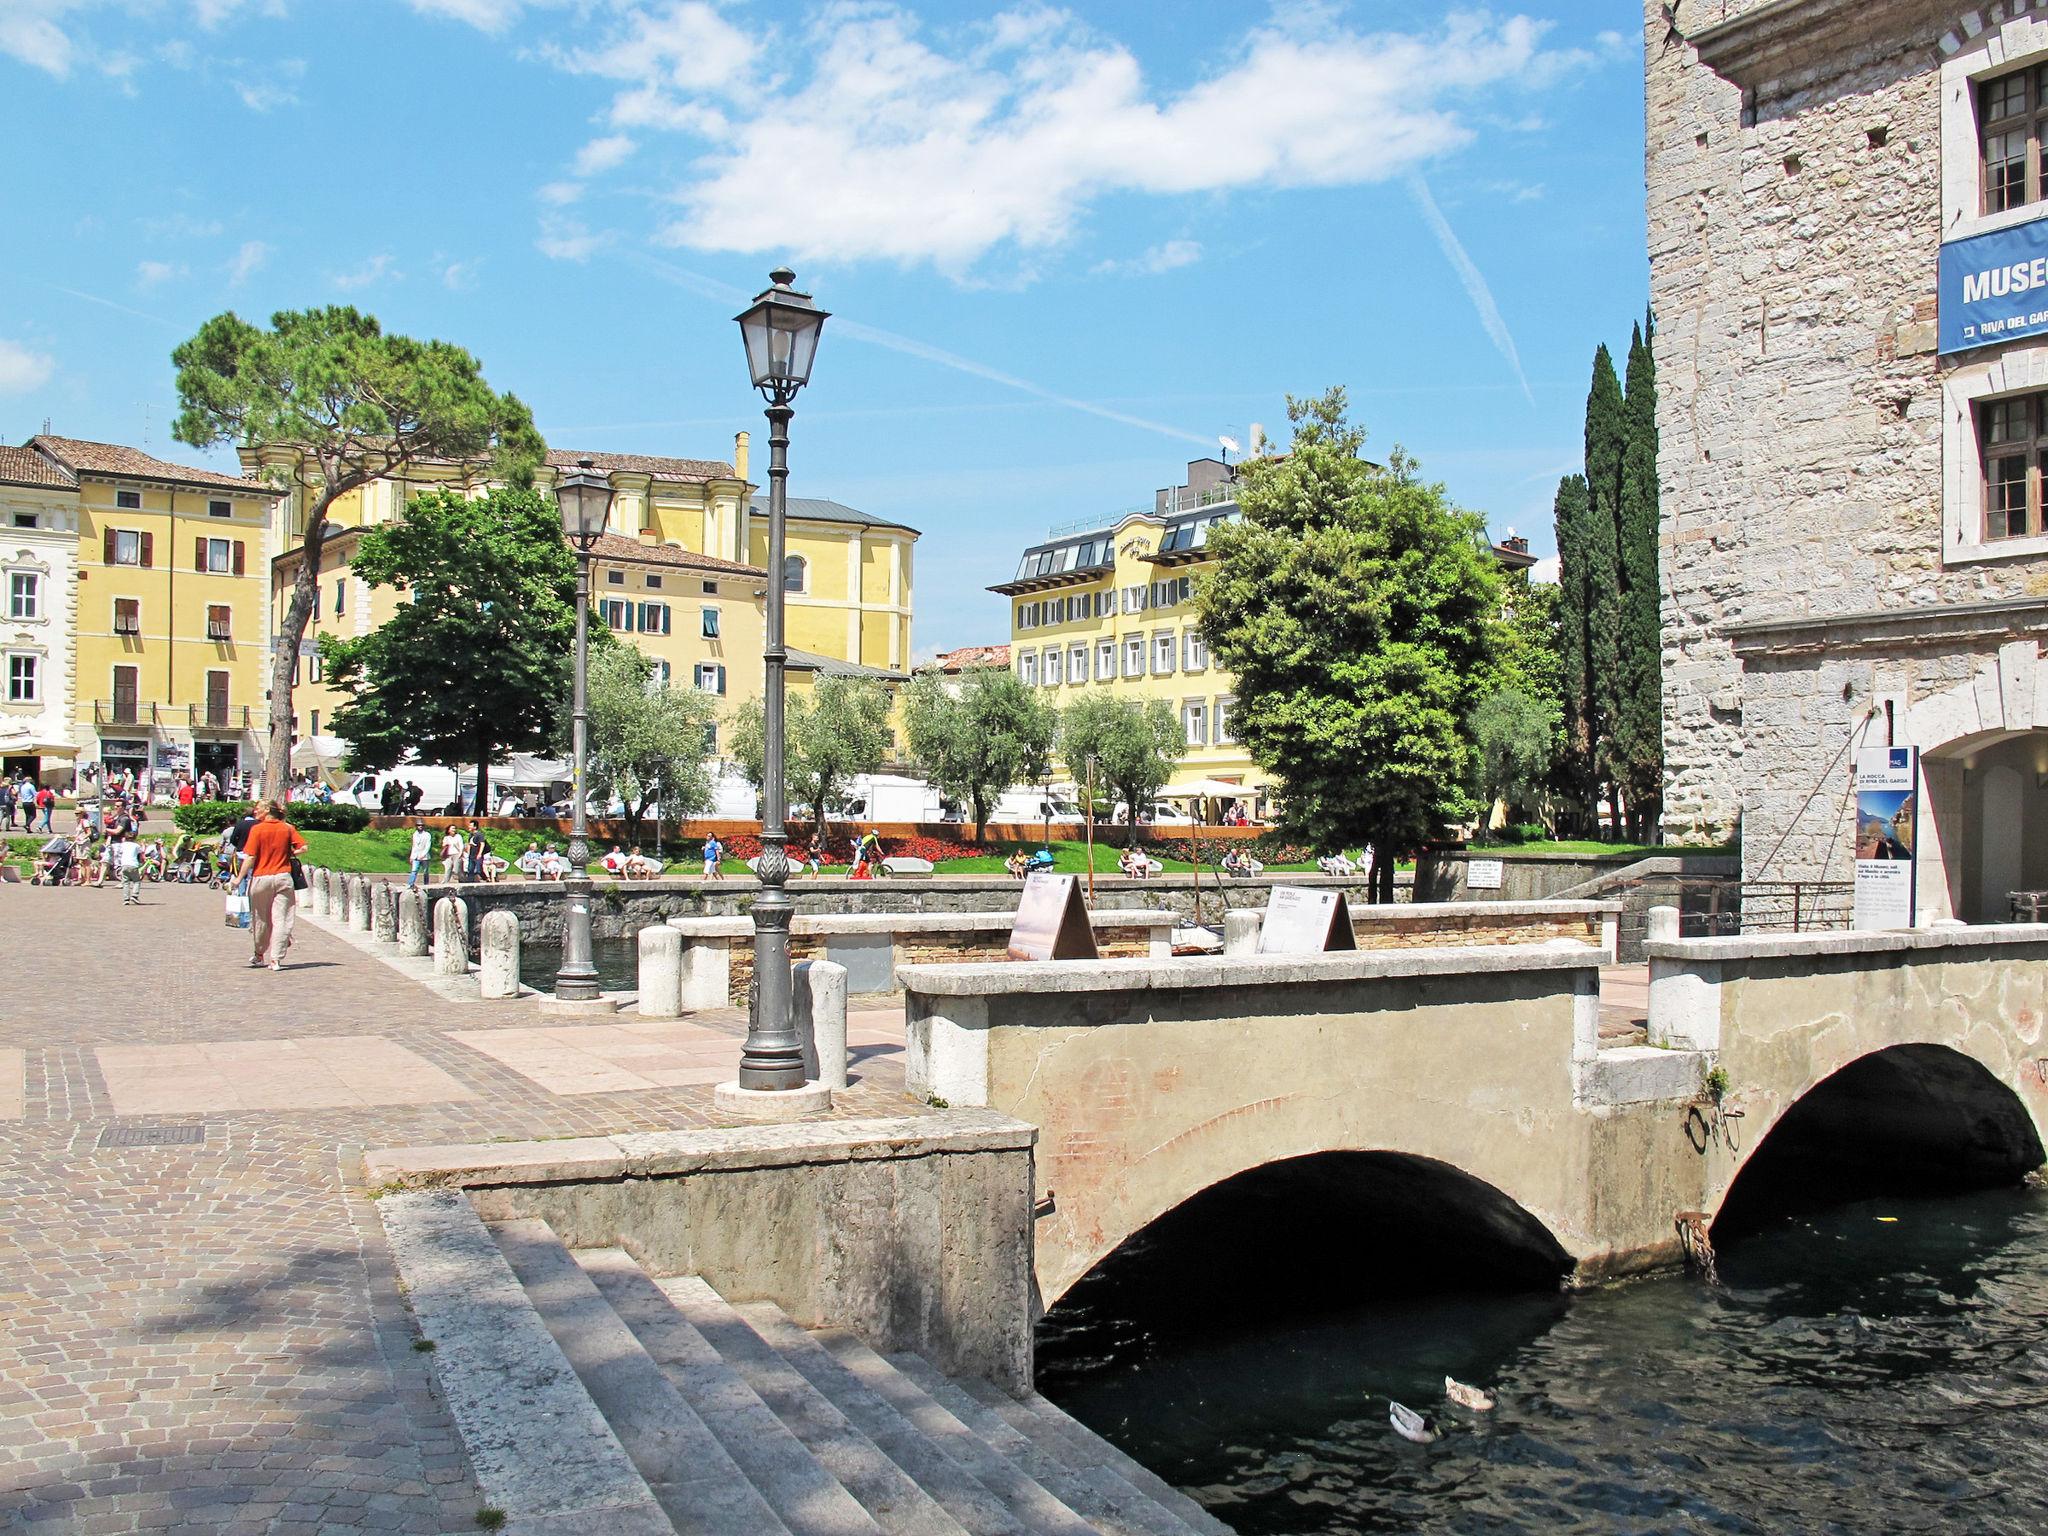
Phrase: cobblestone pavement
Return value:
(209, 1337)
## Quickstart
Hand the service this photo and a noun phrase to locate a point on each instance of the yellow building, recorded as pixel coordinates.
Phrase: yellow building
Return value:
(1104, 604)
(152, 632)
(680, 572)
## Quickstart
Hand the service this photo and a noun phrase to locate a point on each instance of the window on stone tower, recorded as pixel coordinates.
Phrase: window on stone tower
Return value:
(2012, 122)
(2014, 434)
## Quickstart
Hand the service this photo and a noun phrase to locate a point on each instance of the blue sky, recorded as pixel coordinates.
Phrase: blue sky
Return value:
(1065, 248)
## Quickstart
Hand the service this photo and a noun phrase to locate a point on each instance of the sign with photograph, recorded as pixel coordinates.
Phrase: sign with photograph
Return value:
(173, 757)
(1052, 923)
(1887, 816)
(1301, 921)
(1993, 287)
(1484, 874)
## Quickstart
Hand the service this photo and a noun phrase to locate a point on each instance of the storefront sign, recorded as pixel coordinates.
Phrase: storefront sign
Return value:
(173, 757)
(1052, 923)
(1300, 921)
(1484, 874)
(1993, 287)
(1887, 813)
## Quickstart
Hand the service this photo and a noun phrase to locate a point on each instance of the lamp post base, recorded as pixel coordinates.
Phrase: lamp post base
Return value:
(773, 1105)
(558, 1007)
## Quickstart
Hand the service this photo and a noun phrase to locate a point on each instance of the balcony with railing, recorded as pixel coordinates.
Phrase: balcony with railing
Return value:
(214, 715)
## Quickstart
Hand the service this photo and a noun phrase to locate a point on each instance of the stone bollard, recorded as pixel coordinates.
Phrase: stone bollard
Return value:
(384, 911)
(343, 886)
(412, 923)
(707, 974)
(1241, 931)
(498, 958)
(322, 897)
(661, 973)
(1663, 925)
(359, 904)
(818, 990)
(451, 938)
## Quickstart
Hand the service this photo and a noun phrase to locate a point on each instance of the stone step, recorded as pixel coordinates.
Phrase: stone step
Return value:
(977, 1507)
(702, 1489)
(1082, 1482)
(1136, 1473)
(810, 1501)
(883, 1488)
(1036, 1506)
(542, 1451)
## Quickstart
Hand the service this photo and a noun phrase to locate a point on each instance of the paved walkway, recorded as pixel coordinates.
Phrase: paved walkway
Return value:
(207, 1336)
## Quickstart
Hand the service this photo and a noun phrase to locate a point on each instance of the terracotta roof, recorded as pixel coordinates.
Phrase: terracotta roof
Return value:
(973, 656)
(619, 549)
(644, 464)
(81, 456)
(24, 466)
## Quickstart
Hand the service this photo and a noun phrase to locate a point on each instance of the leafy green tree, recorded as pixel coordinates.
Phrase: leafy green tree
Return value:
(1576, 776)
(647, 740)
(976, 742)
(833, 732)
(351, 405)
(473, 666)
(1638, 719)
(1135, 744)
(1357, 608)
(1516, 736)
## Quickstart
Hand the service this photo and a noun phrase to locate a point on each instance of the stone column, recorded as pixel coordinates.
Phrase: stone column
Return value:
(820, 1004)
(499, 957)
(661, 973)
(707, 974)
(1241, 930)
(359, 904)
(451, 938)
(384, 912)
(1663, 925)
(412, 923)
(322, 898)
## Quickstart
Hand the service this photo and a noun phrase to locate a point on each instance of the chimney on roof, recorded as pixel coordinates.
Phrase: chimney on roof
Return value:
(650, 536)
(1516, 542)
(1258, 440)
(739, 455)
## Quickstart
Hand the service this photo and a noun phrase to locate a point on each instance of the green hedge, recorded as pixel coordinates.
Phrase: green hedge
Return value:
(203, 818)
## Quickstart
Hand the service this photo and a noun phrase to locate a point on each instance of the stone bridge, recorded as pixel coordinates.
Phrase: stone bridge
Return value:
(1471, 1083)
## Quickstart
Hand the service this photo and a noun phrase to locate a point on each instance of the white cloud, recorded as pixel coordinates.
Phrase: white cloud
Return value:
(459, 276)
(1161, 258)
(211, 13)
(682, 46)
(889, 146)
(247, 261)
(560, 194)
(1475, 283)
(29, 32)
(601, 155)
(566, 239)
(22, 370)
(150, 273)
(1546, 572)
(484, 15)
(375, 270)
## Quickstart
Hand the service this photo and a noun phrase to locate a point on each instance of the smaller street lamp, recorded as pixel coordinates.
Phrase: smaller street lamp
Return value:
(585, 498)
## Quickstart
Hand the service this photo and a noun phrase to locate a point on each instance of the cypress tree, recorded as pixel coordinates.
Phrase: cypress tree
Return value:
(1606, 445)
(1574, 777)
(1637, 721)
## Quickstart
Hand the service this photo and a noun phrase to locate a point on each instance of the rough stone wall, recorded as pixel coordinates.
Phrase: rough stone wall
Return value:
(1421, 933)
(1793, 247)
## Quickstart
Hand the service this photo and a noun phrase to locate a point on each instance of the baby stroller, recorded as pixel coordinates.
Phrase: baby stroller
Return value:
(54, 865)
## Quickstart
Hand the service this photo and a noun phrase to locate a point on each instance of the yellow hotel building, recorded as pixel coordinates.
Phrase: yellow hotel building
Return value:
(680, 572)
(1104, 604)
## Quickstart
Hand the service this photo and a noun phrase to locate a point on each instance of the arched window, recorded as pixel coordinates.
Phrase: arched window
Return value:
(794, 572)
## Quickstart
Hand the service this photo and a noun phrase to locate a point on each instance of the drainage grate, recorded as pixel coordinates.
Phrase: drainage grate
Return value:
(153, 1136)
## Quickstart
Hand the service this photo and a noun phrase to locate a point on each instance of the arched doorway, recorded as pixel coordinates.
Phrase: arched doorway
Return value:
(1911, 1119)
(1989, 813)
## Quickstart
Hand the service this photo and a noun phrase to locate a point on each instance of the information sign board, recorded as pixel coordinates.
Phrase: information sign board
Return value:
(1992, 287)
(1887, 817)
(1484, 874)
(1303, 921)
(1052, 923)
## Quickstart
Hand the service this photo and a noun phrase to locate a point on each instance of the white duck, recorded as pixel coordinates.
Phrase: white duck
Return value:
(1467, 1397)
(1409, 1424)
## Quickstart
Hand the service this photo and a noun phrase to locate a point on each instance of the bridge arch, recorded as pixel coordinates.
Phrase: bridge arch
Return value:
(1916, 1117)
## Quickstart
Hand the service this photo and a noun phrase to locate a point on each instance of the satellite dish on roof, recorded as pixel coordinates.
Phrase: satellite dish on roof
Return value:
(1229, 445)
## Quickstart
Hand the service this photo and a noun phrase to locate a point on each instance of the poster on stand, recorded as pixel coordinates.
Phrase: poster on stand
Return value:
(1300, 921)
(1052, 921)
(1887, 813)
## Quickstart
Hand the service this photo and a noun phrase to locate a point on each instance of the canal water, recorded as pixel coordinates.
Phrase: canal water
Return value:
(617, 960)
(1881, 1366)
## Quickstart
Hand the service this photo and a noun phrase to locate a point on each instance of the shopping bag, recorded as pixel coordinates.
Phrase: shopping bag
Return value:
(237, 908)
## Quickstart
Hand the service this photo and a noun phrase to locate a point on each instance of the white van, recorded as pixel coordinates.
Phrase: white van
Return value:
(439, 788)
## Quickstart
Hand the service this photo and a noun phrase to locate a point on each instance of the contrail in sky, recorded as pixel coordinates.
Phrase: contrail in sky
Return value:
(1475, 285)
(93, 298)
(853, 330)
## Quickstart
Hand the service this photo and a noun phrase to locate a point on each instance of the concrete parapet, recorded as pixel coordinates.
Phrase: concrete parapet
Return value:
(498, 955)
(412, 922)
(384, 911)
(661, 973)
(819, 997)
(913, 1233)
(451, 938)
(1241, 927)
(706, 976)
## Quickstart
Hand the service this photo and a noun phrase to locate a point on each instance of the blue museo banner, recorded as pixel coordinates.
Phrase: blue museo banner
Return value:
(1993, 287)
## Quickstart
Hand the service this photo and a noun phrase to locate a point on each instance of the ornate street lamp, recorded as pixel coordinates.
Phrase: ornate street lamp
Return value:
(585, 498)
(781, 330)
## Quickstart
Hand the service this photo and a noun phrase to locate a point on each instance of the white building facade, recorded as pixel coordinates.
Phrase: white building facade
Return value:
(38, 588)
(1848, 211)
